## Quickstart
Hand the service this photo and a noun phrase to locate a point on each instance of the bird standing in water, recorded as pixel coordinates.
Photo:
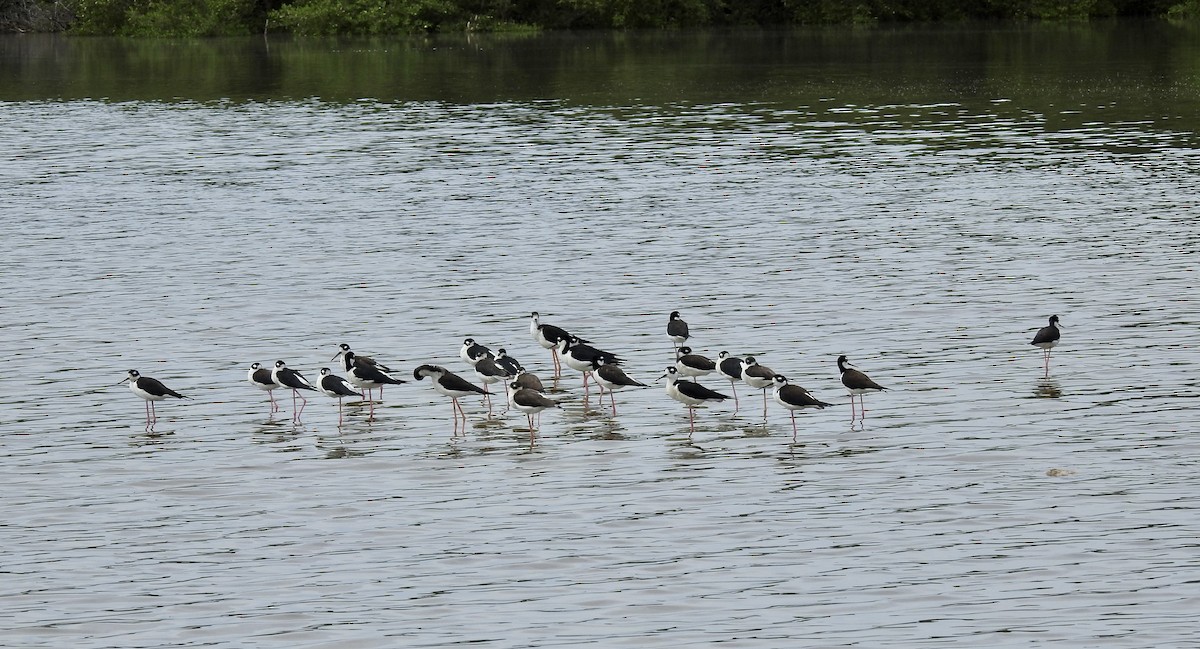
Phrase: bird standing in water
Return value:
(677, 329)
(1047, 338)
(151, 390)
(856, 383)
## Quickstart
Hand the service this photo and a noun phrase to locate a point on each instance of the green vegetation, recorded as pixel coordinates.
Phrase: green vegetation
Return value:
(361, 17)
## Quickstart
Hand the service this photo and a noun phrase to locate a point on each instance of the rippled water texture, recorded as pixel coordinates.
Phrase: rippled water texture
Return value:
(978, 501)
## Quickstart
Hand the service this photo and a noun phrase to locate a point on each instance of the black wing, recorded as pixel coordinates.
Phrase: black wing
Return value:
(155, 387)
(797, 395)
(732, 367)
(452, 381)
(533, 398)
(370, 373)
(338, 385)
(697, 391)
(699, 362)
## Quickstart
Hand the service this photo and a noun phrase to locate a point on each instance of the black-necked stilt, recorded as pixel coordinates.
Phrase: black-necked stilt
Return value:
(336, 387)
(693, 365)
(151, 390)
(348, 363)
(260, 377)
(549, 336)
(689, 393)
(295, 381)
(471, 351)
(489, 372)
(1047, 338)
(527, 379)
(531, 402)
(759, 377)
(510, 364)
(349, 360)
(794, 397)
(730, 367)
(677, 329)
(451, 385)
(369, 377)
(856, 383)
(581, 357)
(613, 378)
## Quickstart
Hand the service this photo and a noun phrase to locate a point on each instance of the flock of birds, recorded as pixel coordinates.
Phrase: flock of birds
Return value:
(525, 391)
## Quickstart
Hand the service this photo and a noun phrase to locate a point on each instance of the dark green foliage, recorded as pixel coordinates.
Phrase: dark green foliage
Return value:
(168, 17)
(33, 16)
(327, 17)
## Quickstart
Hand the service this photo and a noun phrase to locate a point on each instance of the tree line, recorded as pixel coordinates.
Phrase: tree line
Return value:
(371, 17)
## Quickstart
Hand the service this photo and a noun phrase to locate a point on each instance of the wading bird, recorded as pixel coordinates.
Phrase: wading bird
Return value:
(856, 383)
(151, 390)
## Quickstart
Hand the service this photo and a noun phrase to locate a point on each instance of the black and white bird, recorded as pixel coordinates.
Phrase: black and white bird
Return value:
(294, 381)
(260, 377)
(336, 387)
(759, 377)
(510, 364)
(693, 365)
(527, 379)
(856, 383)
(582, 357)
(689, 393)
(549, 336)
(1047, 338)
(611, 377)
(794, 397)
(349, 362)
(531, 402)
(730, 367)
(151, 390)
(489, 372)
(471, 351)
(677, 329)
(451, 385)
(368, 377)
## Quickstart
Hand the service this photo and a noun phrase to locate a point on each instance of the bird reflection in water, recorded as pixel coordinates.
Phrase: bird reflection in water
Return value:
(1047, 389)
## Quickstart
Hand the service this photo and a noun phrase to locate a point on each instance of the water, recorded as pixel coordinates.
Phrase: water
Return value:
(829, 192)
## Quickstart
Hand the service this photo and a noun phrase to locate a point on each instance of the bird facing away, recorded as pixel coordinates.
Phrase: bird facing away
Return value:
(689, 393)
(856, 383)
(151, 390)
(451, 385)
(794, 397)
(336, 387)
(260, 377)
(1047, 338)
(677, 329)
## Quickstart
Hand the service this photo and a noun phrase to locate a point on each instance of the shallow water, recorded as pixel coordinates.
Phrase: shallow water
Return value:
(926, 238)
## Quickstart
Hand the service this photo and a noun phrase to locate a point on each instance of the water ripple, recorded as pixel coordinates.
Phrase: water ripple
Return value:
(978, 501)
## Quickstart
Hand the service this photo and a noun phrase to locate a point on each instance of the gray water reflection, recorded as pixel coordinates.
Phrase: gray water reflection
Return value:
(925, 240)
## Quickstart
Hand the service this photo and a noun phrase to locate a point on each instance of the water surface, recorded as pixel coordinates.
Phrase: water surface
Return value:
(920, 200)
